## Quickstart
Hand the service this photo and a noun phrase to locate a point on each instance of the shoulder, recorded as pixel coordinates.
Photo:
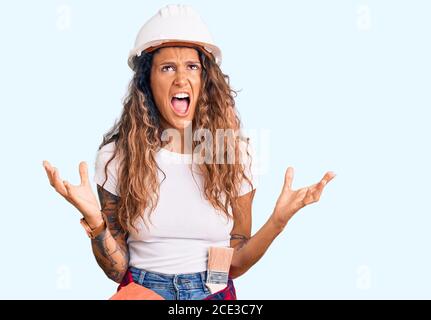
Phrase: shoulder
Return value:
(108, 148)
(106, 179)
(105, 153)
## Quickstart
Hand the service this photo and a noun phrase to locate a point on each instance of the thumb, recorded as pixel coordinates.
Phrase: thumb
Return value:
(83, 172)
(288, 177)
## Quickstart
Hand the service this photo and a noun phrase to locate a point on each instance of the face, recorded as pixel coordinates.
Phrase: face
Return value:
(175, 83)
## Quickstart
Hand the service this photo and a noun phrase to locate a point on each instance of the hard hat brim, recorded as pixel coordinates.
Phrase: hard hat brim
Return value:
(209, 49)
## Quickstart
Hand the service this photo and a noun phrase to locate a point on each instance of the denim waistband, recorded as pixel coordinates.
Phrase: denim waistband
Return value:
(179, 281)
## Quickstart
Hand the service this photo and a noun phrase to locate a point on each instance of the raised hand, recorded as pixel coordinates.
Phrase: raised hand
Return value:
(80, 196)
(290, 201)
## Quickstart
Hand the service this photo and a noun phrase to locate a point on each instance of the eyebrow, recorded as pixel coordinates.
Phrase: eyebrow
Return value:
(187, 62)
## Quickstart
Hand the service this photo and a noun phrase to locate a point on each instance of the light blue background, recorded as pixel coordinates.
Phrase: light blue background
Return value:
(338, 89)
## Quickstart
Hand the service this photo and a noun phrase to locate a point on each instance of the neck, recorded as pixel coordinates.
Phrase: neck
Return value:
(177, 142)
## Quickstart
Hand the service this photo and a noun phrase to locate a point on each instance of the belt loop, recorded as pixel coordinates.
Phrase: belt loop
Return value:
(142, 276)
(175, 282)
(203, 275)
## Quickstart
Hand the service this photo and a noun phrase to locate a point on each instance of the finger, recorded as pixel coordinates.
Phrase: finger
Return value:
(327, 177)
(313, 193)
(317, 191)
(46, 164)
(58, 184)
(83, 172)
(309, 197)
(48, 170)
(288, 177)
(300, 197)
(318, 187)
(67, 186)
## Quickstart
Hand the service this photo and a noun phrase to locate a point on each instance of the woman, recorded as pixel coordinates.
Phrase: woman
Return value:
(165, 195)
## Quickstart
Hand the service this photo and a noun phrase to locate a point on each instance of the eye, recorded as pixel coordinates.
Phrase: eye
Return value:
(166, 68)
(194, 66)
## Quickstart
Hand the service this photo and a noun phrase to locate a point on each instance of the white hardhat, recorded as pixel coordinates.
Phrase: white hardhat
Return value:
(175, 25)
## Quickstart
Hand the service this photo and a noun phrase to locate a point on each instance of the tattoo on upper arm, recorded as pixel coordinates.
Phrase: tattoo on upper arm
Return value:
(243, 240)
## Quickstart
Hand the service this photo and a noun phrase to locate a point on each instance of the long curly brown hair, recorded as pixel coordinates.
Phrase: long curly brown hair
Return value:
(137, 137)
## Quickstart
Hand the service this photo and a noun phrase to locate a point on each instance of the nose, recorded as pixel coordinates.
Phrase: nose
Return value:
(181, 78)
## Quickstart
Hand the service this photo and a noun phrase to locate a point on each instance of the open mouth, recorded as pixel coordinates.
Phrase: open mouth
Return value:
(180, 105)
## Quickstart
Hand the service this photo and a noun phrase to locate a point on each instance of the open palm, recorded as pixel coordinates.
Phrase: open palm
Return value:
(81, 196)
(290, 201)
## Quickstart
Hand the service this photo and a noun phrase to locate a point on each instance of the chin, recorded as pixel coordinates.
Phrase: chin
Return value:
(181, 122)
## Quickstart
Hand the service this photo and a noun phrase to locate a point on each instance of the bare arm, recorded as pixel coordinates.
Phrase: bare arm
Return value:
(248, 250)
(110, 247)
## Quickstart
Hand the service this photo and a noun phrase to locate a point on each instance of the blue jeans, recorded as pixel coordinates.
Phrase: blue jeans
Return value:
(186, 286)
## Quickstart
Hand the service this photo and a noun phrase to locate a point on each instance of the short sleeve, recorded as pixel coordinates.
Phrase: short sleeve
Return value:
(250, 172)
(102, 157)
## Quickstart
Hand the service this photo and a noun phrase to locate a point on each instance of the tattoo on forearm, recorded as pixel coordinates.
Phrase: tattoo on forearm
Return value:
(242, 240)
(110, 247)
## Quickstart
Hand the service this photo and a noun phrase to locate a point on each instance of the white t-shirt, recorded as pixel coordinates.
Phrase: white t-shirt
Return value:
(184, 224)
